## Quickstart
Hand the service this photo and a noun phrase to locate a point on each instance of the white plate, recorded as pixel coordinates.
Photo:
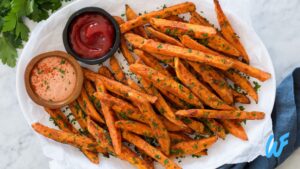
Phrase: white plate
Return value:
(48, 36)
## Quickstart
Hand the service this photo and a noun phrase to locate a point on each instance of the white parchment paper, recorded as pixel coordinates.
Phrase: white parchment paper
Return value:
(47, 36)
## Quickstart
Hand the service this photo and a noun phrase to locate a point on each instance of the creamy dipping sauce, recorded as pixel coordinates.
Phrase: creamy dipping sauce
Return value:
(53, 79)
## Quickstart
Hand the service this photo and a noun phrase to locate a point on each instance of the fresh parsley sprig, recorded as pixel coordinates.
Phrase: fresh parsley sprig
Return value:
(13, 31)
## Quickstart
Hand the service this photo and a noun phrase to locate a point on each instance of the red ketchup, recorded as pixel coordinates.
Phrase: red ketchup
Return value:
(92, 35)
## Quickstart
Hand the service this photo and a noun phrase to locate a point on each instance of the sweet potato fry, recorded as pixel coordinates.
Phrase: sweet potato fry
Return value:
(239, 80)
(134, 159)
(198, 88)
(165, 83)
(216, 81)
(250, 70)
(61, 120)
(197, 126)
(174, 99)
(193, 146)
(103, 139)
(215, 127)
(133, 85)
(135, 127)
(126, 52)
(158, 129)
(196, 18)
(151, 61)
(161, 105)
(68, 138)
(150, 150)
(117, 70)
(175, 18)
(221, 114)
(119, 88)
(152, 46)
(90, 90)
(79, 115)
(163, 37)
(88, 107)
(110, 121)
(124, 109)
(240, 98)
(228, 31)
(216, 42)
(164, 59)
(235, 129)
(104, 71)
(176, 138)
(175, 28)
(173, 127)
(164, 13)
(130, 15)
(188, 42)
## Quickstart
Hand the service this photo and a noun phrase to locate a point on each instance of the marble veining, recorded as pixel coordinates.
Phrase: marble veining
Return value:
(277, 22)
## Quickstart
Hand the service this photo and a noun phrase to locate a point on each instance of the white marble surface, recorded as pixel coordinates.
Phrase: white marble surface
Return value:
(276, 21)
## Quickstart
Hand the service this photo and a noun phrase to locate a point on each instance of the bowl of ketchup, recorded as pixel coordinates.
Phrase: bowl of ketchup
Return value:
(91, 35)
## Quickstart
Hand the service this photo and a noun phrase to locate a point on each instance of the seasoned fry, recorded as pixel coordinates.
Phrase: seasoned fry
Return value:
(164, 13)
(151, 62)
(103, 139)
(173, 127)
(79, 115)
(104, 71)
(130, 15)
(117, 70)
(135, 127)
(198, 88)
(161, 105)
(215, 127)
(152, 46)
(68, 138)
(88, 107)
(176, 100)
(61, 120)
(175, 18)
(251, 71)
(110, 121)
(221, 114)
(164, 59)
(193, 146)
(240, 98)
(163, 37)
(176, 138)
(175, 28)
(90, 89)
(235, 129)
(122, 108)
(188, 42)
(119, 88)
(126, 52)
(228, 31)
(133, 85)
(150, 150)
(158, 129)
(216, 42)
(239, 80)
(215, 80)
(165, 83)
(197, 126)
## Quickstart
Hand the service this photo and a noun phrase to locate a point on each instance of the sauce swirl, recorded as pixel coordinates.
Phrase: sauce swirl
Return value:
(92, 35)
(53, 78)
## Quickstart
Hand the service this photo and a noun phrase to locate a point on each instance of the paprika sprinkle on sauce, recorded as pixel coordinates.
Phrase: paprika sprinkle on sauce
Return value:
(92, 35)
(53, 78)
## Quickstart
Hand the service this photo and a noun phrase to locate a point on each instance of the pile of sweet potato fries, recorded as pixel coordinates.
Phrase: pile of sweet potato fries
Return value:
(177, 109)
